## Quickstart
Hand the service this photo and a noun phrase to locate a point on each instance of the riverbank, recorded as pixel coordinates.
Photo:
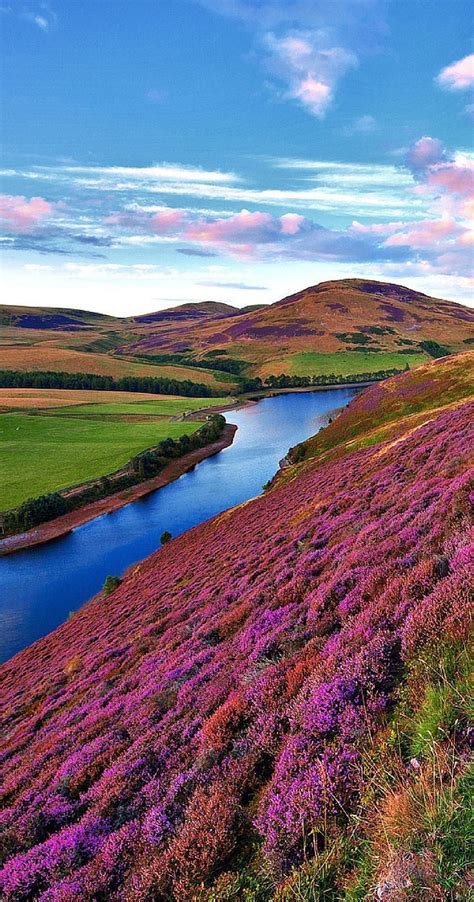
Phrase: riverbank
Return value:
(273, 392)
(248, 399)
(54, 529)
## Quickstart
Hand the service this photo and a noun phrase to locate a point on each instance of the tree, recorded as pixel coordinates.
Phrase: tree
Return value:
(111, 583)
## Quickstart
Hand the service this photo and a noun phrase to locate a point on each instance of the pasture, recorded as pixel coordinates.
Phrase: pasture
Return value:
(46, 451)
(43, 398)
(340, 363)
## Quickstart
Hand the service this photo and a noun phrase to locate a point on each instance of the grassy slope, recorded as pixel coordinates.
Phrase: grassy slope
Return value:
(166, 407)
(43, 453)
(341, 363)
(45, 357)
(43, 398)
(396, 406)
(275, 705)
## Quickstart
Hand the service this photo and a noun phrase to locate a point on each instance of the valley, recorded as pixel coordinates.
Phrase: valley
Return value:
(205, 713)
(292, 671)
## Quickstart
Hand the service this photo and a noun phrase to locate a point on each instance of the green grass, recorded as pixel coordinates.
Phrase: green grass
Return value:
(447, 701)
(40, 454)
(166, 407)
(455, 823)
(343, 363)
(420, 391)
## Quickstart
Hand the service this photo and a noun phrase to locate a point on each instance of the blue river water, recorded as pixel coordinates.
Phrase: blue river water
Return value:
(40, 586)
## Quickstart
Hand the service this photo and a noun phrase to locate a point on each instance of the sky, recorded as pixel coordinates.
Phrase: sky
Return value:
(156, 152)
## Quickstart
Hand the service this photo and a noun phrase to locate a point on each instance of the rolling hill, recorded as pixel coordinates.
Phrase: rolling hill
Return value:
(338, 328)
(275, 704)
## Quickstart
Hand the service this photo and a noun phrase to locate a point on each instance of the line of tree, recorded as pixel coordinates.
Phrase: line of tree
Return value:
(211, 362)
(433, 348)
(165, 386)
(91, 381)
(139, 468)
(286, 381)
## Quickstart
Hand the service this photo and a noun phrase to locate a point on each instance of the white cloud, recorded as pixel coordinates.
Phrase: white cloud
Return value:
(459, 75)
(310, 69)
(309, 45)
(161, 172)
(42, 16)
(343, 189)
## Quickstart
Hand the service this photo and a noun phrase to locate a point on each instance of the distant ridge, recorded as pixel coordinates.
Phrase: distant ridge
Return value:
(337, 327)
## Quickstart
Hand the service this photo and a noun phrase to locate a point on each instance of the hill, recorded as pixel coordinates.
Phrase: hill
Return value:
(388, 412)
(332, 329)
(369, 324)
(274, 705)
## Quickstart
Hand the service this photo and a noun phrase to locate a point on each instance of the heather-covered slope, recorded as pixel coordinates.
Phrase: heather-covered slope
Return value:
(272, 706)
(394, 407)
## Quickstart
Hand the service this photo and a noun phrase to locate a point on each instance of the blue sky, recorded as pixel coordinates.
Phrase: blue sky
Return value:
(159, 151)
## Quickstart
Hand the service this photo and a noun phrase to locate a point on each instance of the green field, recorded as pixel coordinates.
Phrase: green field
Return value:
(343, 363)
(42, 453)
(163, 408)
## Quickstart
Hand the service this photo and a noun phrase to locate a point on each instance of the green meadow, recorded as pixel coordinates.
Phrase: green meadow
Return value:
(43, 453)
(343, 363)
(166, 407)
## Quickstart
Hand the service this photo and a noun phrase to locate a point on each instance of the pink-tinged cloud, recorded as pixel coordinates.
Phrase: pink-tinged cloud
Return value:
(165, 222)
(245, 231)
(256, 227)
(376, 228)
(314, 95)
(459, 76)
(425, 153)
(425, 233)
(292, 223)
(18, 214)
(452, 178)
(309, 69)
(168, 221)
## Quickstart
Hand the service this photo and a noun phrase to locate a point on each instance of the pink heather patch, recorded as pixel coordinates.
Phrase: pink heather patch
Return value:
(459, 75)
(18, 214)
(253, 658)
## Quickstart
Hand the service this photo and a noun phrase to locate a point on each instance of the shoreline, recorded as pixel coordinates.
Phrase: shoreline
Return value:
(250, 398)
(272, 392)
(61, 526)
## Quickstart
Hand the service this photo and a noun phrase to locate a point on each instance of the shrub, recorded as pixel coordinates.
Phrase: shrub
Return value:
(111, 584)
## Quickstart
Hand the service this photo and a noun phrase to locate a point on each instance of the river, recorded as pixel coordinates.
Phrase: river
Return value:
(41, 585)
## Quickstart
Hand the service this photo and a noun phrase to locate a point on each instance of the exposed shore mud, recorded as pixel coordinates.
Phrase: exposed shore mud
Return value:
(54, 529)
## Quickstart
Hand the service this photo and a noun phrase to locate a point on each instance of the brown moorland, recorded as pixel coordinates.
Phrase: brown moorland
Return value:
(341, 327)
